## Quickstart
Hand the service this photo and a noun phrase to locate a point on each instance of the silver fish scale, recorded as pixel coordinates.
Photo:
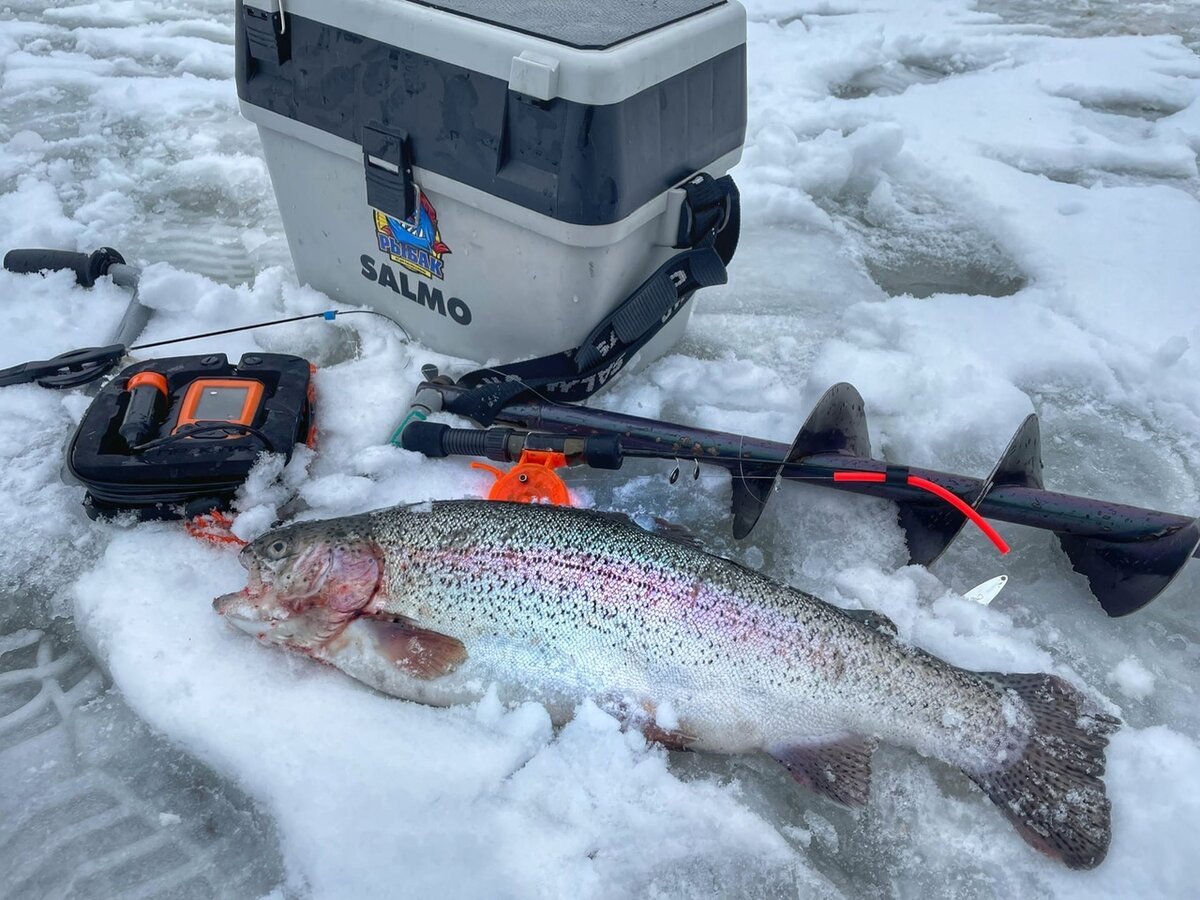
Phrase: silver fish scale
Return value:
(561, 605)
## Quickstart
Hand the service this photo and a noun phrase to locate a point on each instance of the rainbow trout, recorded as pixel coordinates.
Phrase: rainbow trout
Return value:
(437, 602)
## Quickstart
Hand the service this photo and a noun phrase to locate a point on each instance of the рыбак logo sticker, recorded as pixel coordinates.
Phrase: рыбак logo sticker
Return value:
(414, 243)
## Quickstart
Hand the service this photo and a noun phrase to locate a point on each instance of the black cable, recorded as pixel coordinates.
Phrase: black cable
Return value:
(190, 431)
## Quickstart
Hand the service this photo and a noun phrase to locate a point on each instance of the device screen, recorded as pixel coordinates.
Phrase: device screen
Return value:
(221, 404)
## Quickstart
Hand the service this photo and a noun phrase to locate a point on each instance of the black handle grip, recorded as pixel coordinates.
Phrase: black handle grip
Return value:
(86, 266)
(437, 440)
(600, 451)
(66, 370)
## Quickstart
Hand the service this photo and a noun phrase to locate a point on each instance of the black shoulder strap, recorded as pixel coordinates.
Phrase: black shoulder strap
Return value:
(708, 231)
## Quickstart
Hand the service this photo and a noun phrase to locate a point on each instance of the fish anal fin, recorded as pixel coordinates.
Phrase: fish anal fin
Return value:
(658, 724)
(418, 651)
(672, 739)
(838, 767)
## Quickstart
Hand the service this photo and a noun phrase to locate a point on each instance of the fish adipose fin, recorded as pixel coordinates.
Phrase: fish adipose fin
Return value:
(1053, 794)
(418, 651)
(872, 619)
(839, 770)
(658, 527)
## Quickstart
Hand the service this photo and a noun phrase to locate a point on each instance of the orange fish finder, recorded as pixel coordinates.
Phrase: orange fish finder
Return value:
(234, 401)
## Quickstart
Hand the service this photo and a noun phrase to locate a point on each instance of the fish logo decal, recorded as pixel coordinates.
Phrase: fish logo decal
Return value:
(415, 243)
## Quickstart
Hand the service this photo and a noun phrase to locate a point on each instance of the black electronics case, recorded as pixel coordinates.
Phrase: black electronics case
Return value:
(188, 476)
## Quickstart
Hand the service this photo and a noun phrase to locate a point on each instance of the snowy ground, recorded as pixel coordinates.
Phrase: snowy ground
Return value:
(970, 214)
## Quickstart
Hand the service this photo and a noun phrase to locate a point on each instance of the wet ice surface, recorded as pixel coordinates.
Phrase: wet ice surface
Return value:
(97, 805)
(970, 214)
(123, 115)
(1095, 18)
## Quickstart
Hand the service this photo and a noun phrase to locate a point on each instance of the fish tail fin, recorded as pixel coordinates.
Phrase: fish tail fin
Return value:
(1053, 794)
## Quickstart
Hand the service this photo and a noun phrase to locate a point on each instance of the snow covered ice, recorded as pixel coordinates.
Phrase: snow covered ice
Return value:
(969, 212)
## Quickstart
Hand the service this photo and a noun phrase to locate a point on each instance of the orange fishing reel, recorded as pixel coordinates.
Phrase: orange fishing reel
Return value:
(531, 480)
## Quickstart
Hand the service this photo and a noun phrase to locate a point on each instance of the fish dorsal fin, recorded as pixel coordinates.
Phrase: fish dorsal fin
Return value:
(837, 767)
(418, 651)
(659, 527)
(872, 619)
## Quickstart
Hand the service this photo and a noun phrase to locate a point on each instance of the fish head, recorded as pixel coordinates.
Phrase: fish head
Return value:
(306, 582)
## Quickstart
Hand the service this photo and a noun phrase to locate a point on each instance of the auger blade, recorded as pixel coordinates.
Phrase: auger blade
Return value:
(837, 424)
(1125, 576)
(930, 528)
(751, 490)
(1021, 463)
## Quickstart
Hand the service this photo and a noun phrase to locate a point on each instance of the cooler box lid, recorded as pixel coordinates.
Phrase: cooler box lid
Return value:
(586, 24)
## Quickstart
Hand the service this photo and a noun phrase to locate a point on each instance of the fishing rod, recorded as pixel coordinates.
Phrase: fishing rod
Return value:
(86, 364)
(1128, 554)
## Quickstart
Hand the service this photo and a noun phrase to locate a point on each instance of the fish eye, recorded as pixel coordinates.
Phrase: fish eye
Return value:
(277, 548)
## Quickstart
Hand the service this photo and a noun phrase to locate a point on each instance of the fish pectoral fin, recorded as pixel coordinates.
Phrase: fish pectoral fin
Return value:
(418, 651)
(870, 618)
(671, 738)
(838, 768)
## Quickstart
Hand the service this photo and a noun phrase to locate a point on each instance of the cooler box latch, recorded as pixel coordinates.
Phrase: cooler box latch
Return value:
(266, 32)
(387, 158)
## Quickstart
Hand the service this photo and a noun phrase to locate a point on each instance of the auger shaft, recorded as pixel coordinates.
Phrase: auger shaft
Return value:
(1020, 505)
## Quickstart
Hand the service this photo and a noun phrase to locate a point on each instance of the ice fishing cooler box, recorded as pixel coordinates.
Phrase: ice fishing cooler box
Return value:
(495, 176)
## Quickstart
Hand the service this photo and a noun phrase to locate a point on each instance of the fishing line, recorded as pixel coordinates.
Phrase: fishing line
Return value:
(508, 379)
(75, 368)
(741, 457)
(329, 315)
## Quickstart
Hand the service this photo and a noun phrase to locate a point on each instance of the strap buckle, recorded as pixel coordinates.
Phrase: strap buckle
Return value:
(706, 210)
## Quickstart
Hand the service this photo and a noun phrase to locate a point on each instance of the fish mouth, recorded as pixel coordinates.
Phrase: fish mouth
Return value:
(259, 612)
(242, 611)
(237, 605)
(285, 602)
(246, 603)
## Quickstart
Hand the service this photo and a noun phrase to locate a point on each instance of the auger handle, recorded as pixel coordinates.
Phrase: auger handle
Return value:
(87, 266)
